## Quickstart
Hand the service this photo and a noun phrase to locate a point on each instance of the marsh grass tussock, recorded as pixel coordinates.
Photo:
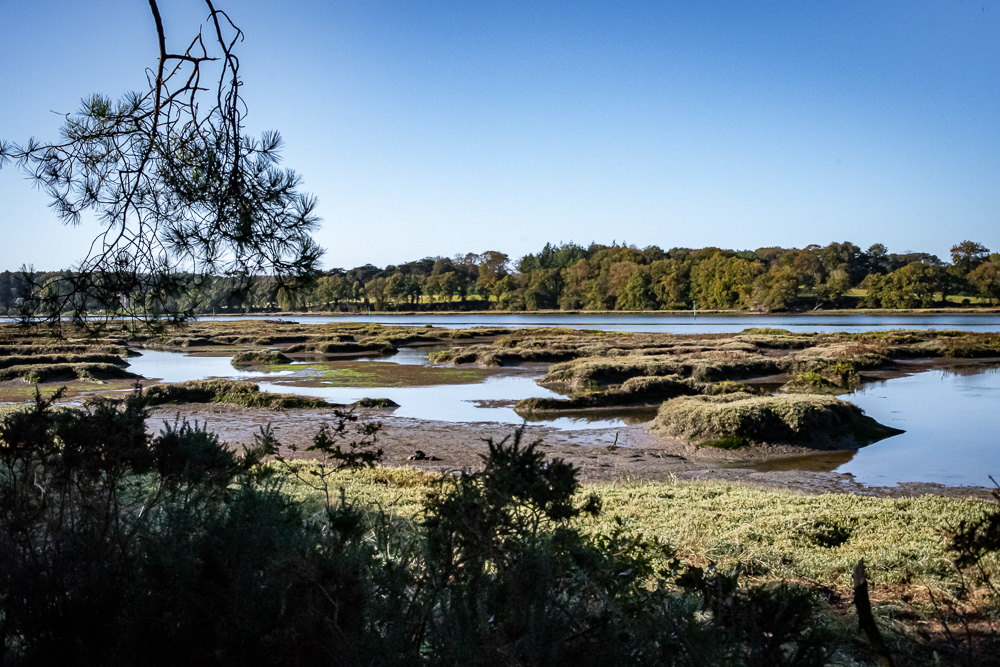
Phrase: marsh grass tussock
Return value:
(799, 418)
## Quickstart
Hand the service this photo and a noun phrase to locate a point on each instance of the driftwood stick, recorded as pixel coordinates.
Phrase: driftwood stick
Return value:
(866, 621)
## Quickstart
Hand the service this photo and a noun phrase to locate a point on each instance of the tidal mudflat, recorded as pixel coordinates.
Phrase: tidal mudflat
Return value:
(608, 401)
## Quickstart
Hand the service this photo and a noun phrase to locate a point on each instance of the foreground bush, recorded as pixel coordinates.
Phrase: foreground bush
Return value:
(124, 548)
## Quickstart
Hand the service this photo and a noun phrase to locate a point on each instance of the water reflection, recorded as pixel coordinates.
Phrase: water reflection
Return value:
(410, 356)
(177, 367)
(489, 401)
(824, 462)
(951, 422)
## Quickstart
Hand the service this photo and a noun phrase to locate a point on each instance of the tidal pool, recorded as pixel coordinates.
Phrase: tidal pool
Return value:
(951, 420)
(490, 400)
(179, 367)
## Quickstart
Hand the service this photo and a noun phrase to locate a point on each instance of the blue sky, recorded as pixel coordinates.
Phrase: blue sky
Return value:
(435, 128)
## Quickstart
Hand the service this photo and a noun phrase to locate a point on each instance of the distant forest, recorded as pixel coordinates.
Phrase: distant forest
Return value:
(618, 277)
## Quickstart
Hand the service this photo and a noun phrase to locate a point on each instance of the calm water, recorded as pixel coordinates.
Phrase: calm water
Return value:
(952, 425)
(178, 367)
(667, 322)
(489, 401)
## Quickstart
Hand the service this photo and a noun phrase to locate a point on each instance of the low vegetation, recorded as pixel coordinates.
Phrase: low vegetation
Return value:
(636, 390)
(305, 562)
(819, 421)
(235, 392)
(64, 371)
(257, 358)
(602, 369)
(376, 403)
(812, 382)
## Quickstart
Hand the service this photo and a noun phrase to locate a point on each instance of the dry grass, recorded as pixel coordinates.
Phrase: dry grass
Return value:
(772, 534)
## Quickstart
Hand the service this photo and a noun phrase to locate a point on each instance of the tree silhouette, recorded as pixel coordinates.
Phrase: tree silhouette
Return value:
(180, 190)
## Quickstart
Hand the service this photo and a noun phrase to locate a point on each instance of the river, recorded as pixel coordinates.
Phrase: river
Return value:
(681, 323)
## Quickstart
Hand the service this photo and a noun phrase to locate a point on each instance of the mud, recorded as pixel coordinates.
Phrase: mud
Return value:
(601, 455)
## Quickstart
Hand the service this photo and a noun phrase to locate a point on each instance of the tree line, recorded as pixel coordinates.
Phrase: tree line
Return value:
(604, 277)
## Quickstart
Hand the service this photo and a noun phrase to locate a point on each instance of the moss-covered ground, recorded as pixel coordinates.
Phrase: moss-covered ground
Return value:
(374, 374)
(772, 534)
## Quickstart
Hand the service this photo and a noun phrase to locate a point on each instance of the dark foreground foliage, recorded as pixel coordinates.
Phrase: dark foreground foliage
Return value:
(121, 547)
(972, 630)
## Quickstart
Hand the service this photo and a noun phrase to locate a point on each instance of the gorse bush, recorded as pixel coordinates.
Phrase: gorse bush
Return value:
(973, 543)
(121, 547)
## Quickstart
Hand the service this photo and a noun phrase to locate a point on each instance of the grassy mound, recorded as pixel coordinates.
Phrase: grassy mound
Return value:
(633, 391)
(246, 394)
(252, 358)
(711, 367)
(375, 403)
(65, 371)
(812, 382)
(796, 418)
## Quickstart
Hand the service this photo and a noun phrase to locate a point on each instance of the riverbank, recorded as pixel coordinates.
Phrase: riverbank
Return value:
(604, 455)
(607, 382)
(941, 310)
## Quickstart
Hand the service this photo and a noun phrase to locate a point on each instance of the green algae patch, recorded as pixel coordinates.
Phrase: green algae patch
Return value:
(375, 374)
(811, 420)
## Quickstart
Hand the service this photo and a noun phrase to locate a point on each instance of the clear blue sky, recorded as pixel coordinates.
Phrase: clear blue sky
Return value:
(433, 128)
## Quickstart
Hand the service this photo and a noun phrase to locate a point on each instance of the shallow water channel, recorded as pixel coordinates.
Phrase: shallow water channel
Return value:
(490, 400)
(950, 418)
(666, 322)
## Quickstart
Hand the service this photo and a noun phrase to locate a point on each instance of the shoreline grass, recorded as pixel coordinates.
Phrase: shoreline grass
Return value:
(772, 534)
